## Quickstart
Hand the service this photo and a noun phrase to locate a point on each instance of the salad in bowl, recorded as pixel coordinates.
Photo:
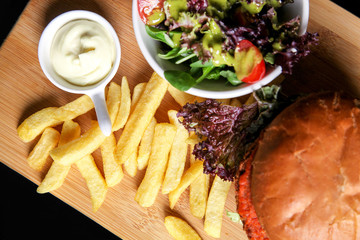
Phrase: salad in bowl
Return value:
(222, 46)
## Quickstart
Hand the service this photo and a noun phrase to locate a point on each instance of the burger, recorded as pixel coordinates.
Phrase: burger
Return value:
(297, 165)
(302, 180)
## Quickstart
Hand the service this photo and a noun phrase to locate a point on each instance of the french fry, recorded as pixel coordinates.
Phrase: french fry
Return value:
(180, 97)
(154, 175)
(224, 101)
(177, 156)
(250, 100)
(179, 229)
(141, 117)
(76, 149)
(34, 125)
(70, 130)
(198, 195)
(145, 145)
(94, 180)
(57, 173)
(183, 98)
(130, 165)
(235, 102)
(190, 175)
(199, 190)
(137, 92)
(125, 104)
(192, 139)
(215, 206)
(37, 158)
(113, 100)
(112, 170)
(73, 109)
(54, 178)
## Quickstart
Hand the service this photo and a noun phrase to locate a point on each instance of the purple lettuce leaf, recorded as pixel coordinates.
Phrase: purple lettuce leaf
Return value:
(228, 130)
(294, 50)
(198, 6)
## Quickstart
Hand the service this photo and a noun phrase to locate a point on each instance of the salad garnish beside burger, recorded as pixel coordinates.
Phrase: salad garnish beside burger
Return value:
(229, 131)
(231, 40)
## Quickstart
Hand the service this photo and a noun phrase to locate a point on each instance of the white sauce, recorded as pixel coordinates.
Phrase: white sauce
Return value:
(82, 52)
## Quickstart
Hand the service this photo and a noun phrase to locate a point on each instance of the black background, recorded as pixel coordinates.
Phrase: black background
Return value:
(25, 213)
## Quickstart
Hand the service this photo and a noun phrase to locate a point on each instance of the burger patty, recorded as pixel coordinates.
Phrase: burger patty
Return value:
(246, 209)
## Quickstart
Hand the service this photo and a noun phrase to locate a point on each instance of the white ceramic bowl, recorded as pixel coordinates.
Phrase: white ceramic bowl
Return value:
(95, 91)
(213, 89)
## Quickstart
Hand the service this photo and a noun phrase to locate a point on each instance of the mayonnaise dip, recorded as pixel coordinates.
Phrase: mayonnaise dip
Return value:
(82, 52)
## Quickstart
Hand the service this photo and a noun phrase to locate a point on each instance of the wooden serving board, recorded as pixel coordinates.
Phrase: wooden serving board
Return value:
(24, 89)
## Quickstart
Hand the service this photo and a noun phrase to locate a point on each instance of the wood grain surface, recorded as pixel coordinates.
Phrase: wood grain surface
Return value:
(24, 90)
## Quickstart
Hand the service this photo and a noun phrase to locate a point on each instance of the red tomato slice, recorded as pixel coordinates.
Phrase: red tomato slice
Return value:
(146, 9)
(249, 62)
(257, 73)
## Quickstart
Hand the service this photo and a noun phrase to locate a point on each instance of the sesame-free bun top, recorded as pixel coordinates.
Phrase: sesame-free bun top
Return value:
(306, 172)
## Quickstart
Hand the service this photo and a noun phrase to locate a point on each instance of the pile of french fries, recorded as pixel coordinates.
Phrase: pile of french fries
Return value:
(160, 148)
